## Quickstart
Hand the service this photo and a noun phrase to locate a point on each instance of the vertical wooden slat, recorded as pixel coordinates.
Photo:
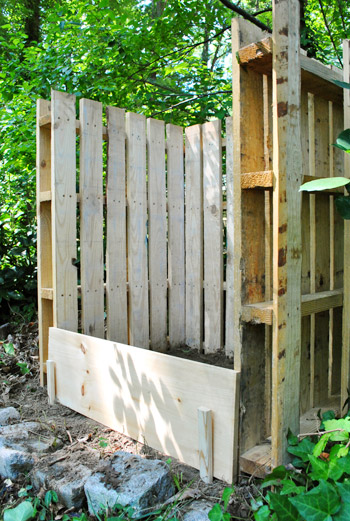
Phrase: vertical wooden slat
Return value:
(44, 242)
(213, 260)
(322, 251)
(249, 237)
(157, 235)
(287, 167)
(230, 230)
(305, 403)
(194, 236)
(331, 248)
(176, 235)
(345, 381)
(63, 160)
(91, 218)
(137, 230)
(116, 290)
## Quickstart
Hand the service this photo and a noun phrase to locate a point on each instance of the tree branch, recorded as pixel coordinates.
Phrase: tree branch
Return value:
(245, 15)
(191, 99)
(329, 32)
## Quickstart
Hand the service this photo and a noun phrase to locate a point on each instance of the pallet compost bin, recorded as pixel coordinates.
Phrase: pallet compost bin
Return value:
(199, 237)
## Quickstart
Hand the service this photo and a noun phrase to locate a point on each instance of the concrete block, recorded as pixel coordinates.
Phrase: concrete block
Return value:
(8, 415)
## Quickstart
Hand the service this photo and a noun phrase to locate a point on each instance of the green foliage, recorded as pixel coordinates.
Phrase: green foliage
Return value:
(32, 507)
(316, 486)
(219, 512)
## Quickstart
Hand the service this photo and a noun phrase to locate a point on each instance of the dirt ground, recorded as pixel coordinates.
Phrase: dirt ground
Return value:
(78, 433)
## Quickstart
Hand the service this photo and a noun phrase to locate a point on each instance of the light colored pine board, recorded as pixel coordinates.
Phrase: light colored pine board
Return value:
(44, 239)
(176, 235)
(149, 396)
(249, 248)
(45, 122)
(257, 460)
(137, 233)
(257, 179)
(91, 218)
(194, 236)
(116, 291)
(51, 381)
(230, 231)
(157, 229)
(64, 250)
(47, 293)
(213, 247)
(345, 375)
(205, 444)
(322, 251)
(287, 166)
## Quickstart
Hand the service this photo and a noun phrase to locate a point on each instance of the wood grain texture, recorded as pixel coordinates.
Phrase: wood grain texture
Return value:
(44, 238)
(137, 233)
(249, 248)
(176, 235)
(51, 381)
(230, 231)
(345, 374)
(287, 166)
(157, 229)
(116, 291)
(205, 444)
(64, 234)
(149, 396)
(194, 236)
(213, 240)
(91, 218)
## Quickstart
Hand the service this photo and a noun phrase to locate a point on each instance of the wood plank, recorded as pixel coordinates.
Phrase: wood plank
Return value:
(91, 218)
(64, 233)
(205, 444)
(137, 230)
(51, 381)
(176, 235)
(194, 236)
(45, 122)
(230, 253)
(257, 179)
(157, 246)
(249, 250)
(116, 293)
(262, 312)
(345, 374)
(47, 293)
(213, 240)
(287, 165)
(44, 238)
(148, 395)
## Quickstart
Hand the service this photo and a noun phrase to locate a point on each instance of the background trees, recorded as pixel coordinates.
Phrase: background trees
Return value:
(164, 58)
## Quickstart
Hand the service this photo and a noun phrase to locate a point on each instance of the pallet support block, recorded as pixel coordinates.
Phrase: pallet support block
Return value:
(205, 442)
(51, 381)
(149, 396)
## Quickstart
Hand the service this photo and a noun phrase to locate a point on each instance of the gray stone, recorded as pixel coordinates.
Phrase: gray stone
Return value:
(130, 480)
(198, 511)
(8, 415)
(67, 477)
(20, 447)
(4, 331)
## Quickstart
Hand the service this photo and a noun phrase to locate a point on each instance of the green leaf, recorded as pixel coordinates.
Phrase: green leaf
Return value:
(292, 438)
(344, 491)
(263, 514)
(303, 450)
(228, 491)
(319, 468)
(289, 487)
(321, 444)
(215, 513)
(284, 509)
(319, 504)
(9, 348)
(343, 140)
(342, 204)
(274, 477)
(22, 512)
(327, 183)
(342, 423)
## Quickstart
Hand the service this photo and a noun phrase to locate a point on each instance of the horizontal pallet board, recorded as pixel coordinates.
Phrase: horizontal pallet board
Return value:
(262, 312)
(316, 77)
(149, 396)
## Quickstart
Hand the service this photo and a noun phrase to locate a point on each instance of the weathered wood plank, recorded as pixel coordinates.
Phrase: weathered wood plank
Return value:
(116, 292)
(137, 230)
(176, 235)
(287, 166)
(157, 246)
(230, 231)
(44, 239)
(213, 247)
(194, 236)
(148, 395)
(64, 234)
(91, 218)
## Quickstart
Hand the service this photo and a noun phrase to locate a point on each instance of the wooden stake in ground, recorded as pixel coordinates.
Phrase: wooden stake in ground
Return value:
(287, 166)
